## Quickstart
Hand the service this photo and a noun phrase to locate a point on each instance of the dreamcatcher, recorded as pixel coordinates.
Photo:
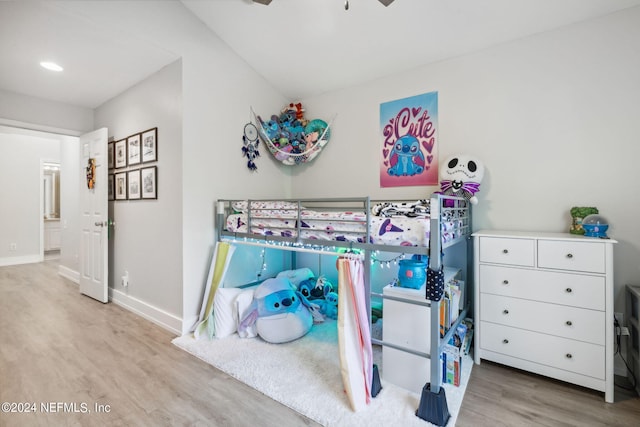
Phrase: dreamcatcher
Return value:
(250, 147)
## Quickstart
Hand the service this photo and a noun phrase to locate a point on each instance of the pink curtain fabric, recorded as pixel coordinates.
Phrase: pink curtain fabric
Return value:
(354, 334)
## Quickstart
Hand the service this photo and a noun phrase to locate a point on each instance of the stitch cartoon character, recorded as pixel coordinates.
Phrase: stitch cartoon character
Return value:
(315, 288)
(330, 305)
(279, 312)
(406, 158)
(461, 175)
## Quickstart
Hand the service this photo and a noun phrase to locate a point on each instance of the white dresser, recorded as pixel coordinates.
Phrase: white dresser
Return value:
(544, 303)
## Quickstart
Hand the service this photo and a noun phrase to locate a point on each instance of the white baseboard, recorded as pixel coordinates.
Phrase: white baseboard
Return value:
(16, 260)
(158, 316)
(68, 273)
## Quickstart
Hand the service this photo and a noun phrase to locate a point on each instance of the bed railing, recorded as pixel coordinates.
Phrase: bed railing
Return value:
(454, 211)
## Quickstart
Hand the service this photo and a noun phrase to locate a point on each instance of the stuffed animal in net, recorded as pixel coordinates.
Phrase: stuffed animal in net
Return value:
(461, 175)
(279, 312)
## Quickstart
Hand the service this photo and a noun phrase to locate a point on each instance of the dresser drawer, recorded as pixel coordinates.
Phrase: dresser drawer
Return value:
(568, 322)
(562, 353)
(547, 286)
(507, 251)
(575, 256)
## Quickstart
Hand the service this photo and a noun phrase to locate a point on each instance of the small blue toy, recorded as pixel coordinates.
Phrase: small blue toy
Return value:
(315, 288)
(330, 306)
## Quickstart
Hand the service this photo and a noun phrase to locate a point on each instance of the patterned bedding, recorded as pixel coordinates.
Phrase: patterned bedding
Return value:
(406, 227)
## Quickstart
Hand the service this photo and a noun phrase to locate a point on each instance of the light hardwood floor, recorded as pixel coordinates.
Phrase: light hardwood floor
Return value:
(57, 347)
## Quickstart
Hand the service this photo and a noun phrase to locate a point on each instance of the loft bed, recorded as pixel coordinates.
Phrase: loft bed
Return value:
(362, 226)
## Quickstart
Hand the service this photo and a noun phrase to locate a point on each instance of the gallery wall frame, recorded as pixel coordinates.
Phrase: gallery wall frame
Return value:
(149, 182)
(111, 155)
(120, 154)
(133, 185)
(120, 186)
(149, 145)
(111, 189)
(133, 150)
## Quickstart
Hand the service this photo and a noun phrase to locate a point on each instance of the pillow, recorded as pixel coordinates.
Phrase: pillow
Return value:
(419, 208)
(224, 311)
(296, 276)
(258, 206)
(242, 302)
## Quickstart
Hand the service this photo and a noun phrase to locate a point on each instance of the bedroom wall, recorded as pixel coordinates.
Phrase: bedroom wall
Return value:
(553, 117)
(147, 237)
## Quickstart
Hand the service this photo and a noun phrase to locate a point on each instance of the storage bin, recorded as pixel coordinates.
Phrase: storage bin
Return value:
(412, 273)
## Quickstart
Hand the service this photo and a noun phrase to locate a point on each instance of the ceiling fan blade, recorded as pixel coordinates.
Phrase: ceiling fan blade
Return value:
(266, 2)
(384, 2)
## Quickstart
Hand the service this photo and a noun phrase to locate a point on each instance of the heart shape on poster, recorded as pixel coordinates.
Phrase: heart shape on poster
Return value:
(428, 145)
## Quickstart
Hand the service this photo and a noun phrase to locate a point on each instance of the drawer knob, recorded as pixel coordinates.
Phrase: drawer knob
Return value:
(505, 282)
(569, 255)
(569, 322)
(505, 341)
(569, 290)
(505, 311)
(505, 251)
(568, 356)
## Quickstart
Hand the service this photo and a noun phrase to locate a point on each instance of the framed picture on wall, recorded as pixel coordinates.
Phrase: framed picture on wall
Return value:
(150, 145)
(111, 187)
(133, 149)
(111, 155)
(149, 181)
(120, 153)
(120, 186)
(133, 184)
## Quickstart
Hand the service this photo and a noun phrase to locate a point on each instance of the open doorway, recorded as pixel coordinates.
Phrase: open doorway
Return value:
(52, 230)
(24, 151)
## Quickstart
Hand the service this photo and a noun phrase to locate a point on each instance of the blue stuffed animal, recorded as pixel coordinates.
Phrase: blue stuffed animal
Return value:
(279, 312)
(330, 306)
(315, 288)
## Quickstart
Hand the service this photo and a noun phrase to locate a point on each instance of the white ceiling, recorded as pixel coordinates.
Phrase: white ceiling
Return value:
(98, 62)
(302, 47)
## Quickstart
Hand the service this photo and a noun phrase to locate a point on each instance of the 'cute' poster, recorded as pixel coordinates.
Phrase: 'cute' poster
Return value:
(409, 154)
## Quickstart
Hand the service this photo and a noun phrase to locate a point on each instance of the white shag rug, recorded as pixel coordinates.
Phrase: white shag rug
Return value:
(305, 376)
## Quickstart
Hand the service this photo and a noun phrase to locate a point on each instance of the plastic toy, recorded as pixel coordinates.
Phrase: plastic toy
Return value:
(279, 312)
(461, 175)
(595, 225)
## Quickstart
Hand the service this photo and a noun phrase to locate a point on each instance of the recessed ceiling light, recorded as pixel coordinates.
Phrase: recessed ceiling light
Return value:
(52, 66)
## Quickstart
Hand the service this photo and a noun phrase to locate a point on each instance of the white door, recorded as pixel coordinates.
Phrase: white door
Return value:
(93, 215)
